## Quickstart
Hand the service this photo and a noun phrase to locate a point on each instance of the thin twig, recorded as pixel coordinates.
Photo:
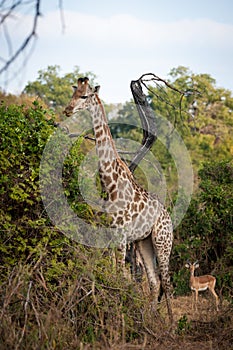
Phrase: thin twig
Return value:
(26, 315)
(28, 39)
(4, 17)
(14, 284)
(37, 319)
(63, 24)
(154, 78)
(126, 152)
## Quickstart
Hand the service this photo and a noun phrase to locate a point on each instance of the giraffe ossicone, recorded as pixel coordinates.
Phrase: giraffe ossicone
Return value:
(136, 214)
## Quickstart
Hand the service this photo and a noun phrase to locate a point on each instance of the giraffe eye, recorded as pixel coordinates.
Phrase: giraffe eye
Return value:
(84, 97)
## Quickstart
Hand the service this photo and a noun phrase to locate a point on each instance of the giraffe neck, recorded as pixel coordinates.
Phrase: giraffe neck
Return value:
(105, 146)
(112, 169)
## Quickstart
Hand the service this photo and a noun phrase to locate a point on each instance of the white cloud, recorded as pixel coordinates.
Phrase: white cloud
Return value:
(122, 47)
(128, 31)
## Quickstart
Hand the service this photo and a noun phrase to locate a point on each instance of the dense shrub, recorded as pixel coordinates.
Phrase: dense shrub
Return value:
(24, 132)
(206, 233)
(56, 294)
(51, 288)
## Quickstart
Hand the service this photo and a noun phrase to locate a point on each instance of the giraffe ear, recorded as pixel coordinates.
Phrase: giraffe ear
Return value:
(74, 88)
(97, 88)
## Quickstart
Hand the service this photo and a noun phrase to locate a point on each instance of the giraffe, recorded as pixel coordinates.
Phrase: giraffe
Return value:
(137, 214)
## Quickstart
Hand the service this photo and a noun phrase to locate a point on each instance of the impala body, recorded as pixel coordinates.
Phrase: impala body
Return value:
(200, 283)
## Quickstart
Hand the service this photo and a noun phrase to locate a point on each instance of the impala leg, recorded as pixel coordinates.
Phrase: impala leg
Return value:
(216, 298)
(196, 299)
(193, 300)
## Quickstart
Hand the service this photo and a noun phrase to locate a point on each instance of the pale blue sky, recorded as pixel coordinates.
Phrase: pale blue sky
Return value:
(122, 39)
(166, 10)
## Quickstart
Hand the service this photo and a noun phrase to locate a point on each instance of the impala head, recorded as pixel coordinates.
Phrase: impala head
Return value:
(191, 266)
(81, 96)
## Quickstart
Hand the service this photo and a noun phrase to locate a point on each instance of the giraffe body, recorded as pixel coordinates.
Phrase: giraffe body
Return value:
(136, 214)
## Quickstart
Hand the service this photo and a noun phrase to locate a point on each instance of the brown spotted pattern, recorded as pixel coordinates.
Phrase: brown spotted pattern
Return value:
(138, 215)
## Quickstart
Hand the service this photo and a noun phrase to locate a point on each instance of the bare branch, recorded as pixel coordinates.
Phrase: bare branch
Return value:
(8, 39)
(151, 77)
(63, 24)
(147, 118)
(9, 12)
(32, 35)
(26, 315)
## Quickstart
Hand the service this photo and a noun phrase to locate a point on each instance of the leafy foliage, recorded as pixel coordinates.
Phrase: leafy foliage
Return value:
(24, 132)
(55, 90)
(206, 233)
(57, 294)
(69, 305)
(206, 119)
(204, 122)
(43, 270)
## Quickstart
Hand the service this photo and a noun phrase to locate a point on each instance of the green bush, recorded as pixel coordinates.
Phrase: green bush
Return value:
(24, 132)
(206, 232)
(52, 288)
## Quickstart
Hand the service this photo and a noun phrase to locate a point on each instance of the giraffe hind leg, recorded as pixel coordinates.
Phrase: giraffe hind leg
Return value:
(163, 255)
(162, 241)
(146, 251)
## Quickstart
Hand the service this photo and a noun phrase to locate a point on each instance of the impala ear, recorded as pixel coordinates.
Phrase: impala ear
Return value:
(187, 265)
(196, 265)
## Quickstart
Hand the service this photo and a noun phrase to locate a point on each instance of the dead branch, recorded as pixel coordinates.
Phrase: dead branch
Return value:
(151, 77)
(9, 12)
(26, 315)
(148, 122)
(63, 24)
(32, 35)
(30, 38)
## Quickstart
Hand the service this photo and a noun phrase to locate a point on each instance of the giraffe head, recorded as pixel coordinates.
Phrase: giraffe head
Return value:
(81, 96)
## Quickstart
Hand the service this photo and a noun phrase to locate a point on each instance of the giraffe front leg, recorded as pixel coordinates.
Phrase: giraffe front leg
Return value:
(120, 256)
(121, 261)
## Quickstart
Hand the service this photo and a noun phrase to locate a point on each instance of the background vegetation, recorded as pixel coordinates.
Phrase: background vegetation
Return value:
(57, 294)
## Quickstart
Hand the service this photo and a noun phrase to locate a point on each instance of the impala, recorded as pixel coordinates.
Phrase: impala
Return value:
(201, 283)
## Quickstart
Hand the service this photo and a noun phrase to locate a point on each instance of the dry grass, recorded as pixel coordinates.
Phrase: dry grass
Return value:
(204, 328)
(89, 316)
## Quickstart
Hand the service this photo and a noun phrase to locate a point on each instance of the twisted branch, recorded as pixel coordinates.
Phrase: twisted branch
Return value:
(32, 36)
